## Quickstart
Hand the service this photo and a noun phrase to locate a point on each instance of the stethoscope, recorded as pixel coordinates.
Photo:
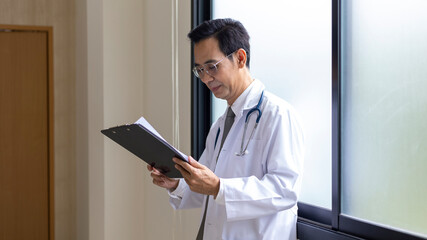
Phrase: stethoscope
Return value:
(243, 147)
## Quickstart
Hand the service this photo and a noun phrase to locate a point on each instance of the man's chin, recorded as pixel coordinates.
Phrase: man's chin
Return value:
(221, 92)
(218, 94)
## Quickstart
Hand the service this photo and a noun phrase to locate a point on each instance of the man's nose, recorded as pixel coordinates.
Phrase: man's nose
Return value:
(206, 78)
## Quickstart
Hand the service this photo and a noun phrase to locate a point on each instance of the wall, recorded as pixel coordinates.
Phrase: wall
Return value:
(89, 115)
(133, 59)
(122, 98)
(167, 95)
(113, 63)
(60, 15)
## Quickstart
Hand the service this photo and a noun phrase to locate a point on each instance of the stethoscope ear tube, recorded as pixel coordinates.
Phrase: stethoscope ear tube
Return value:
(244, 151)
(257, 108)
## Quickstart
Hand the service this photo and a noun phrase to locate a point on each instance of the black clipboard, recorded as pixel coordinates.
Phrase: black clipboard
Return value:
(146, 145)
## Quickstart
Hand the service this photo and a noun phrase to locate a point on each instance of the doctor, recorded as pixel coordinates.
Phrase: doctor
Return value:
(248, 181)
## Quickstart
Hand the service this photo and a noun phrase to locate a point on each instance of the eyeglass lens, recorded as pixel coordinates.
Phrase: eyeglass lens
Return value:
(209, 68)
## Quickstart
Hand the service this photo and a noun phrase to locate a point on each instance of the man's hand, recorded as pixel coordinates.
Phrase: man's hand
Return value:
(199, 178)
(161, 180)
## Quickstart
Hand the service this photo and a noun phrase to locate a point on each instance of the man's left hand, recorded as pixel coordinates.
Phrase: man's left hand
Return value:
(199, 178)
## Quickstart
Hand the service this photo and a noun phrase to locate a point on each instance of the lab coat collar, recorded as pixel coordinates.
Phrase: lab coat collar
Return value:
(249, 98)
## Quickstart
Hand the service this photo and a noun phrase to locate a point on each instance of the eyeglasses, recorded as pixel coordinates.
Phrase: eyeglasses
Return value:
(210, 68)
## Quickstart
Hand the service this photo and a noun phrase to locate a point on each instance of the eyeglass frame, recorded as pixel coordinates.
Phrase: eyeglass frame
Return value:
(203, 67)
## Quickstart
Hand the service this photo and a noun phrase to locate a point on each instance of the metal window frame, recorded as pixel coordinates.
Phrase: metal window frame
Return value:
(313, 222)
(336, 112)
(201, 110)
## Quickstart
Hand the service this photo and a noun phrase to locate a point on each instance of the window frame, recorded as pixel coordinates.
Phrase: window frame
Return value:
(313, 222)
(201, 100)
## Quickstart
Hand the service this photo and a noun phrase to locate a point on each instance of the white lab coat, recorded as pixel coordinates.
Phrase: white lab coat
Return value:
(258, 191)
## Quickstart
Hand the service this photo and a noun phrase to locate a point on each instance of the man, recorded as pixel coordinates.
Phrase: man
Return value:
(247, 182)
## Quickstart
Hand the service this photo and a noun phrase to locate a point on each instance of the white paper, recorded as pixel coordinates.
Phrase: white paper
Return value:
(147, 125)
(143, 122)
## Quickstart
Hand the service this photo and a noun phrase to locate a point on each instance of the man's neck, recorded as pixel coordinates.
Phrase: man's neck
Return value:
(245, 81)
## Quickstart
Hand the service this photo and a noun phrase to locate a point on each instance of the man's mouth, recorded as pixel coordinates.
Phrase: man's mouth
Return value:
(213, 86)
(213, 89)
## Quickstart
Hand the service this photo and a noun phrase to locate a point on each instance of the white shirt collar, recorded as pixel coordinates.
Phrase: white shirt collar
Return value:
(249, 98)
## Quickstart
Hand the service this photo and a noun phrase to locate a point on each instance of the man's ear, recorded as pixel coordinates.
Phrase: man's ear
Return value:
(241, 57)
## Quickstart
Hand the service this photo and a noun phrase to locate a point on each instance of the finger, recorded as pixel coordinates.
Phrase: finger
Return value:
(155, 170)
(156, 176)
(183, 164)
(156, 173)
(194, 163)
(185, 174)
(149, 167)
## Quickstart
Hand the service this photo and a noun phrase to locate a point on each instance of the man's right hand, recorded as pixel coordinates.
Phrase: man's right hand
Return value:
(161, 180)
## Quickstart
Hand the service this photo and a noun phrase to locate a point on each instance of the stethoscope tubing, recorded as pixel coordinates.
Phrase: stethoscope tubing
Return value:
(257, 108)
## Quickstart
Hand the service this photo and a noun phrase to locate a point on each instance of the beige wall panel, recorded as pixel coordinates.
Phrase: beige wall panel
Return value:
(164, 23)
(130, 55)
(188, 219)
(158, 108)
(60, 15)
(123, 94)
(82, 141)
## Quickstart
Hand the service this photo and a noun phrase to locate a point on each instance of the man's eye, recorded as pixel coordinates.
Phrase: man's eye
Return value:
(211, 67)
(199, 70)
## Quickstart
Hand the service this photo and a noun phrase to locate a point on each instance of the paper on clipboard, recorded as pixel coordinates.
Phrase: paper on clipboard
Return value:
(143, 122)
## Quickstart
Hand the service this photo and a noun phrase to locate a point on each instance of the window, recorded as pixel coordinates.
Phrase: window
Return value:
(291, 55)
(368, 76)
(384, 112)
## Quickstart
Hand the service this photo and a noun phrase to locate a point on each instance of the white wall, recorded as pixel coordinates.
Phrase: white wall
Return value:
(133, 59)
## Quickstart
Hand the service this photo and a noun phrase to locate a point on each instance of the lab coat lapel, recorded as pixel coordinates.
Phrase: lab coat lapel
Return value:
(250, 100)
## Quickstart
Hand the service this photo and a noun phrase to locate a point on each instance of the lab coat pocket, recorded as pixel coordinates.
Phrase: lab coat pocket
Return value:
(251, 162)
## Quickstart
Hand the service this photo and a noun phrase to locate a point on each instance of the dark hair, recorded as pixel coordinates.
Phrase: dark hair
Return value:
(231, 35)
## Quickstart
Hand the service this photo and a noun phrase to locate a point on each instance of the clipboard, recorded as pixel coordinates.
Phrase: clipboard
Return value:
(148, 146)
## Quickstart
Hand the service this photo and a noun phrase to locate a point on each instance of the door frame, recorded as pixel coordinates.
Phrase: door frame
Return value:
(51, 176)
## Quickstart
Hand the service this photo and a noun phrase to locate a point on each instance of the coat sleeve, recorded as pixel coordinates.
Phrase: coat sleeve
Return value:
(185, 199)
(251, 197)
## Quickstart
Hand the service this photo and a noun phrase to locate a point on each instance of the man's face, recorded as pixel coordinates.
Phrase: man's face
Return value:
(223, 83)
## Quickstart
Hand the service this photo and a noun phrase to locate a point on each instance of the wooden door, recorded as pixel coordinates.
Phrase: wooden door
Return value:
(25, 132)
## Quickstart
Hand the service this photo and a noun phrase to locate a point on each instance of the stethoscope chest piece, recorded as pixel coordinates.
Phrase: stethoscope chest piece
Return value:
(240, 154)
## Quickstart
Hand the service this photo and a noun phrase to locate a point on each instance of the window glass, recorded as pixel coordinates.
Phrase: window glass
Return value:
(291, 55)
(384, 112)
